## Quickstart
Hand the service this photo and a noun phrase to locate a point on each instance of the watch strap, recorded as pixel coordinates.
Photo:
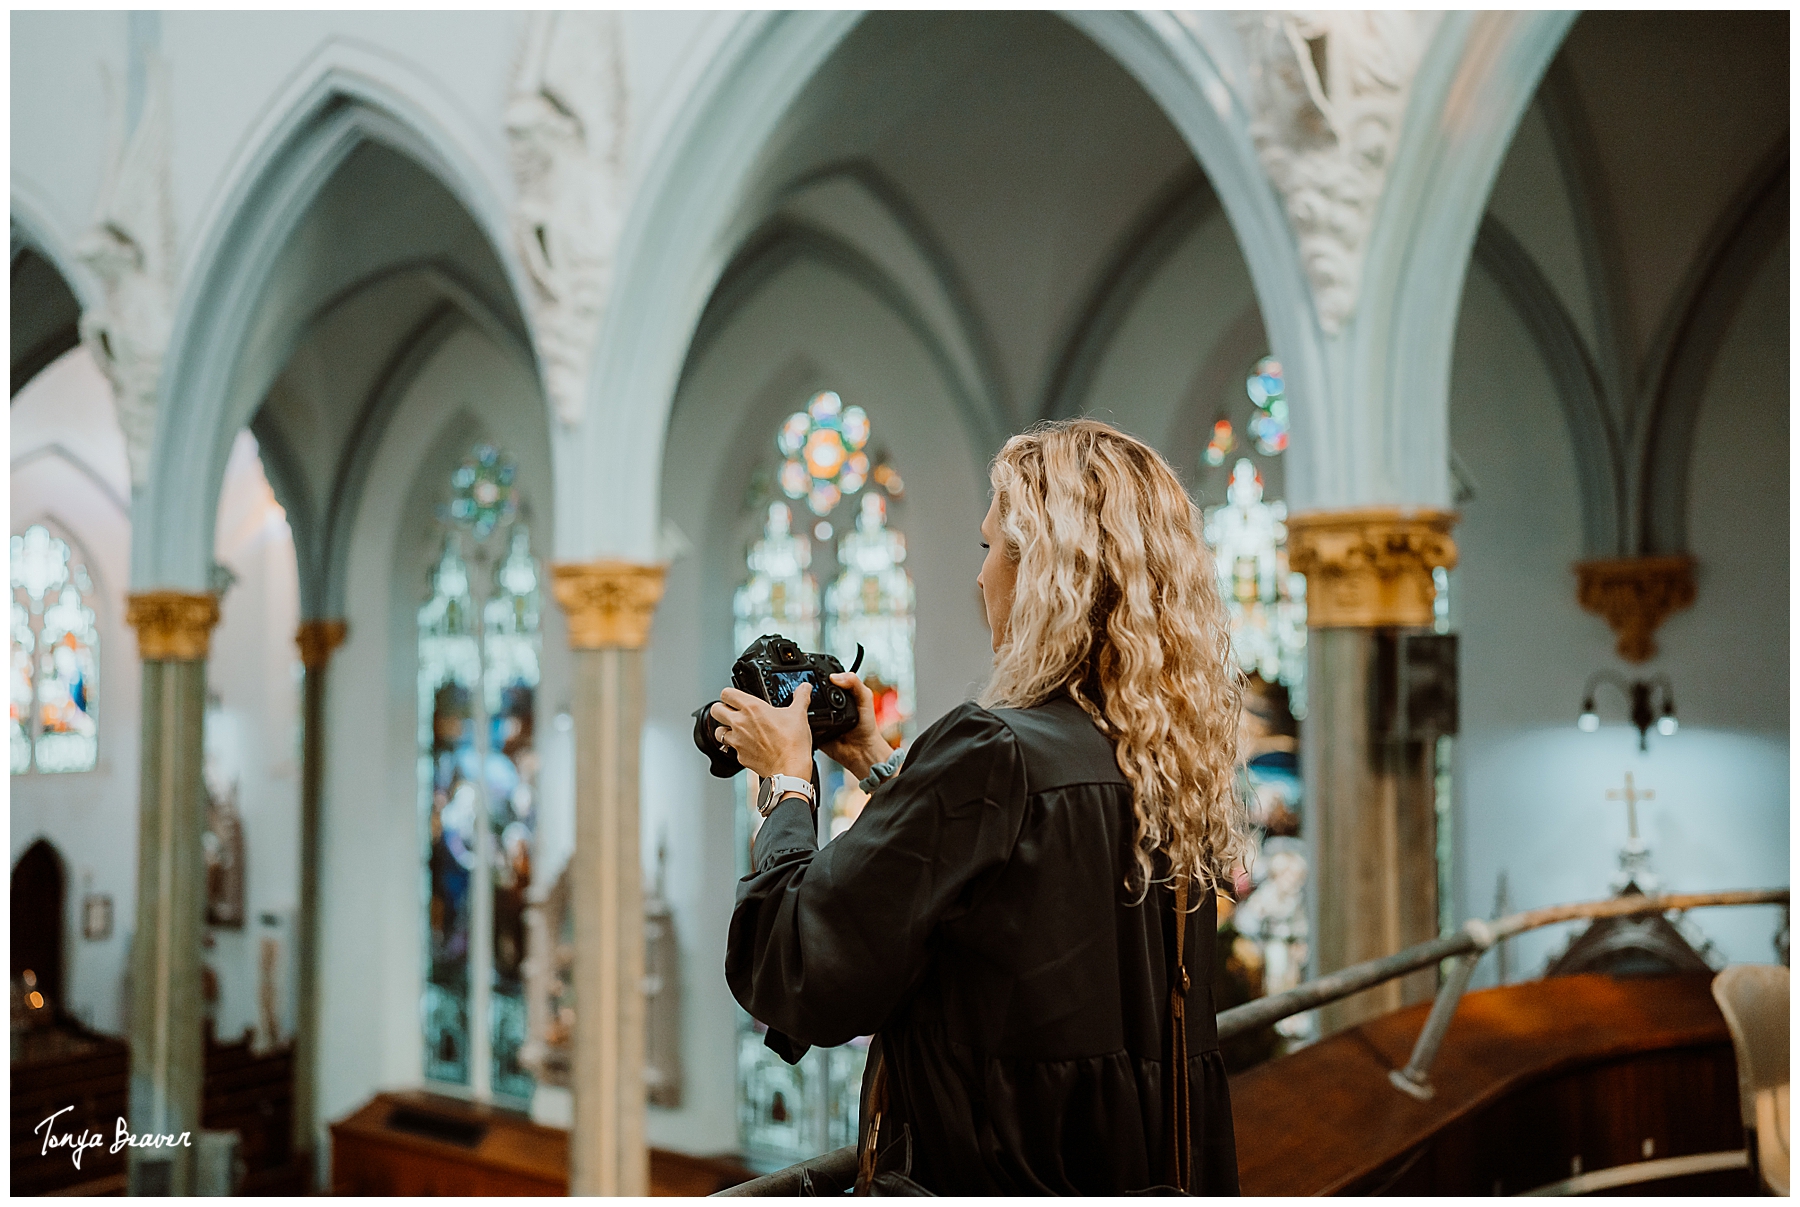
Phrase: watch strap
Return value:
(781, 785)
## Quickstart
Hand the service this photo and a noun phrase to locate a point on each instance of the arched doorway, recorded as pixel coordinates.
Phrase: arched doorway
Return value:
(39, 906)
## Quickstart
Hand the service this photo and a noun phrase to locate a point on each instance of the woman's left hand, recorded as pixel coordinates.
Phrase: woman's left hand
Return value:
(768, 740)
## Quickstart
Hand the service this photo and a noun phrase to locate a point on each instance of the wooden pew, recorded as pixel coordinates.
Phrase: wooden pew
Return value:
(415, 1143)
(1535, 1082)
(243, 1091)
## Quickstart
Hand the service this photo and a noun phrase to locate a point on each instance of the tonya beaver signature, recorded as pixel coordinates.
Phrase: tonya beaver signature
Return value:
(80, 1142)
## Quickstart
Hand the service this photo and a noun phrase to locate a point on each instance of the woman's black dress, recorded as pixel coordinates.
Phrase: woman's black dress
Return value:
(976, 921)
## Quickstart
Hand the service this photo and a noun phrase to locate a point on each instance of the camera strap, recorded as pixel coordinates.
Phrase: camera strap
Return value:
(878, 1094)
(1181, 1108)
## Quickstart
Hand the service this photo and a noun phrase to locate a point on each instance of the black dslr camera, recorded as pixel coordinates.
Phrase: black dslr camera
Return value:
(771, 669)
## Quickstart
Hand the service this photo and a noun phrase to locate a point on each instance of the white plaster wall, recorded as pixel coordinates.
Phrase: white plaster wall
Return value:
(1530, 788)
(68, 466)
(371, 896)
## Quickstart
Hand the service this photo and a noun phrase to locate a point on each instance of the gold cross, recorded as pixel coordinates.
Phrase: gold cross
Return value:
(1631, 796)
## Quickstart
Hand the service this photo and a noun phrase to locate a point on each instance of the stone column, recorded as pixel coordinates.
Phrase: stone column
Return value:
(167, 1053)
(1370, 795)
(609, 606)
(316, 639)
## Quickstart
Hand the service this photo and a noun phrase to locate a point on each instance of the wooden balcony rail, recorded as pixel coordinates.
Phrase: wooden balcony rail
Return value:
(835, 1171)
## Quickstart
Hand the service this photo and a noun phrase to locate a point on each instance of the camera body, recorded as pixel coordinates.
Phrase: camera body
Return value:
(770, 669)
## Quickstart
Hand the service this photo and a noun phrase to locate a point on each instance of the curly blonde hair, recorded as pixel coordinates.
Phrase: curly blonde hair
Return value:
(1117, 606)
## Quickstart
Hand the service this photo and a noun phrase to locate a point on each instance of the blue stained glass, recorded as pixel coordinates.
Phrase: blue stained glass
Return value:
(1269, 426)
(480, 649)
(449, 671)
(55, 657)
(511, 649)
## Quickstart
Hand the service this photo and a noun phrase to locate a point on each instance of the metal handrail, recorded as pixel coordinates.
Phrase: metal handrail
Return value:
(831, 1173)
(838, 1167)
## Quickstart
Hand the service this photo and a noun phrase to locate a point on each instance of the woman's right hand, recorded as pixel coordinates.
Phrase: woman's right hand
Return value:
(862, 747)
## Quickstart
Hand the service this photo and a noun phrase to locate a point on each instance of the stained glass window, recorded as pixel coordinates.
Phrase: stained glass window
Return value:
(824, 449)
(1265, 600)
(871, 604)
(1221, 444)
(1268, 391)
(55, 657)
(510, 648)
(789, 1112)
(1265, 939)
(449, 672)
(780, 596)
(479, 648)
(482, 494)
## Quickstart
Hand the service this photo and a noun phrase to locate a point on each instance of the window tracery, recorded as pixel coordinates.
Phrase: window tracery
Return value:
(479, 647)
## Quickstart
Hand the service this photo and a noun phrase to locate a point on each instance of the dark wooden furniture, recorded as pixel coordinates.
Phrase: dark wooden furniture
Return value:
(253, 1095)
(66, 1066)
(1531, 1079)
(414, 1143)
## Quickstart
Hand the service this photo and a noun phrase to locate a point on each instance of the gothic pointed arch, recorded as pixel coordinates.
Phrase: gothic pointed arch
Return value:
(344, 99)
(40, 885)
(681, 220)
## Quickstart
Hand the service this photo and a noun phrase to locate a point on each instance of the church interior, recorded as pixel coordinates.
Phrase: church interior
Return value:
(415, 413)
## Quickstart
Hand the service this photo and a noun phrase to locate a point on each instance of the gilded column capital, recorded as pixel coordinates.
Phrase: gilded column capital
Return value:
(317, 638)
(1635, 595)
(1370, 567)
(172, 626)
(609, 604)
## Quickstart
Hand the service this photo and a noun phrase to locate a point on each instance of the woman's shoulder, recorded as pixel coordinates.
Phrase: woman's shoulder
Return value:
(1062, 745)
(968, 725)
(1056, 741)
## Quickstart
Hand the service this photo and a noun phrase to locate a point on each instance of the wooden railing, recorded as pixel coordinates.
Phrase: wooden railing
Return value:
(835, 1171)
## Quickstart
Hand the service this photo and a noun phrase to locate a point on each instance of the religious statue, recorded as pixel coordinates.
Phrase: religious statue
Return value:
(1328, 95)
(662, 995)
(566, 125)
(268, 992)
(223, 845)
(131, 248)
(548, 1052)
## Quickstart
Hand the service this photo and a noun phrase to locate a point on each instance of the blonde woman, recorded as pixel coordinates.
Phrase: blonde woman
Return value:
(1002, 917)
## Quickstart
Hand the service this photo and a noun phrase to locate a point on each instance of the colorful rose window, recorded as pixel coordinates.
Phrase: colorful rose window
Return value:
(823, 447)
(482, 493)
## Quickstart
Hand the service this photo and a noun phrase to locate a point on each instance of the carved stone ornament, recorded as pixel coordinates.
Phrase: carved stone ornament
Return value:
(609, 604)
(317, 638)
(1635, 595)
(566, 127)
(1328, 93)
(172, 626)
(131, 249)
(1370, 567)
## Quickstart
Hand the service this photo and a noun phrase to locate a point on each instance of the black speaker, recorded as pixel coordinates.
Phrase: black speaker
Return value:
(1413, 687)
